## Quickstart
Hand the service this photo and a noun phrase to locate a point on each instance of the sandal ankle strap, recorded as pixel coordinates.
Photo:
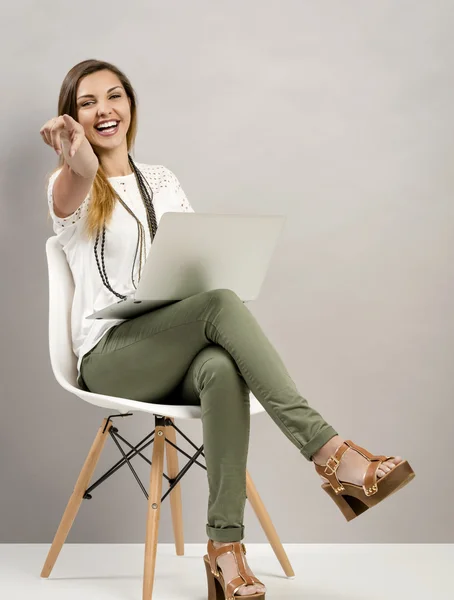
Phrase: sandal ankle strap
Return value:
(328, 470)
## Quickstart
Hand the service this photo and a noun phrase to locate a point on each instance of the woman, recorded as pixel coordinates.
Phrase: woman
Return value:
(207, 349)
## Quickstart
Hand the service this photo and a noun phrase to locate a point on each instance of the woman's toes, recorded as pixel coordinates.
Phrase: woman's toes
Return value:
(247, 590)
(383, 470)
(388, 466)
(259, 589)
(391, 464)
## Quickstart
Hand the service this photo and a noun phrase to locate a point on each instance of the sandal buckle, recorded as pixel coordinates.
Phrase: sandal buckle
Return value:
(329, 467)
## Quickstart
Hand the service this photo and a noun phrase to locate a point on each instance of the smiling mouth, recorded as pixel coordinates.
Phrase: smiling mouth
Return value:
(106, 131)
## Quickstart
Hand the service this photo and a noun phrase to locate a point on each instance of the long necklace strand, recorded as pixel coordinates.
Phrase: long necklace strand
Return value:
(140, 246)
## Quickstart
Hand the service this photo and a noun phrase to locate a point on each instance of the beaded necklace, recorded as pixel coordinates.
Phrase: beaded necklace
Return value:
(147, 198)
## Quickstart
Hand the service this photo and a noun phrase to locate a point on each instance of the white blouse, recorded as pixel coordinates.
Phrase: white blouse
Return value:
(90, 293)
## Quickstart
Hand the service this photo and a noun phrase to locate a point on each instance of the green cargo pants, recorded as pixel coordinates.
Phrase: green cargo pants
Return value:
(208, 350)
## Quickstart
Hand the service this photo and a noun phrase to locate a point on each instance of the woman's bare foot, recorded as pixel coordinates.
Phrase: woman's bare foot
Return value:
(227, 564)
(353, 465)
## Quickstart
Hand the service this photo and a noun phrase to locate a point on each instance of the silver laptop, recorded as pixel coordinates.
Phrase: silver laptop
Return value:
(198, 252)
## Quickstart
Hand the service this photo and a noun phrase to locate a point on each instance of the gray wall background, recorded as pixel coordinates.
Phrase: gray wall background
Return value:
(337, 114)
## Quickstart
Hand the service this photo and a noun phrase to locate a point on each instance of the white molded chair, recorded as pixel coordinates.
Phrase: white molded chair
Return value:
(64, 366)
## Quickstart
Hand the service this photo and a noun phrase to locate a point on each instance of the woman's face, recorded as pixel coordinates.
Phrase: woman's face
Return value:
(101, 97)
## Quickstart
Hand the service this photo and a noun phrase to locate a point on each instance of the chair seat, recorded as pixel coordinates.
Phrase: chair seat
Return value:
(169, 410)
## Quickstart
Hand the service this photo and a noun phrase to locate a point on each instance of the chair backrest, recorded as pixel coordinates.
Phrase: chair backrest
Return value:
(61, 292)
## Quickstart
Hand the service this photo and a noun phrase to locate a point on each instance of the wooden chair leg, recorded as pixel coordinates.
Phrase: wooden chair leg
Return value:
(154, 511)
(75, 501)
(267, 526)
(175, 495)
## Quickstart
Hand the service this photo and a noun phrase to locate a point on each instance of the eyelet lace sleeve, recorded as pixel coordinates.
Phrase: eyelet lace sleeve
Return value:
(71, 221)
(161, 177)
(183, 202)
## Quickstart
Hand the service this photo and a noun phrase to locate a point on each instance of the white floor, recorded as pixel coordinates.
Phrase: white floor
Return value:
(323, 572)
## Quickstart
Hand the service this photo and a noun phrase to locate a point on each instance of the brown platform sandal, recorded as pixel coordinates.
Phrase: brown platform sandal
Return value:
(218, 589)
(353, 499)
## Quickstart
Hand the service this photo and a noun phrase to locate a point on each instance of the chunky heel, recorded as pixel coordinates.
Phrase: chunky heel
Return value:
(214, 588)
(352, 500)
(350, 507)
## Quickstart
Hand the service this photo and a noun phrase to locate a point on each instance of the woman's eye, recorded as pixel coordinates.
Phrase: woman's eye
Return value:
(114, 96)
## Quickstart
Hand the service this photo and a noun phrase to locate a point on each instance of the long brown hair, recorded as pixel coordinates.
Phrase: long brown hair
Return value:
(103, 198)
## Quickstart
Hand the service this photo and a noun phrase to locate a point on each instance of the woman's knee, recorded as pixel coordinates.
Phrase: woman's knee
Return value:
(222, 296)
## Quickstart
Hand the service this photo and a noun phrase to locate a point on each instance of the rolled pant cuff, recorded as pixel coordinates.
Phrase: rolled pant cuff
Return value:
(318, 441)
(226, 534)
